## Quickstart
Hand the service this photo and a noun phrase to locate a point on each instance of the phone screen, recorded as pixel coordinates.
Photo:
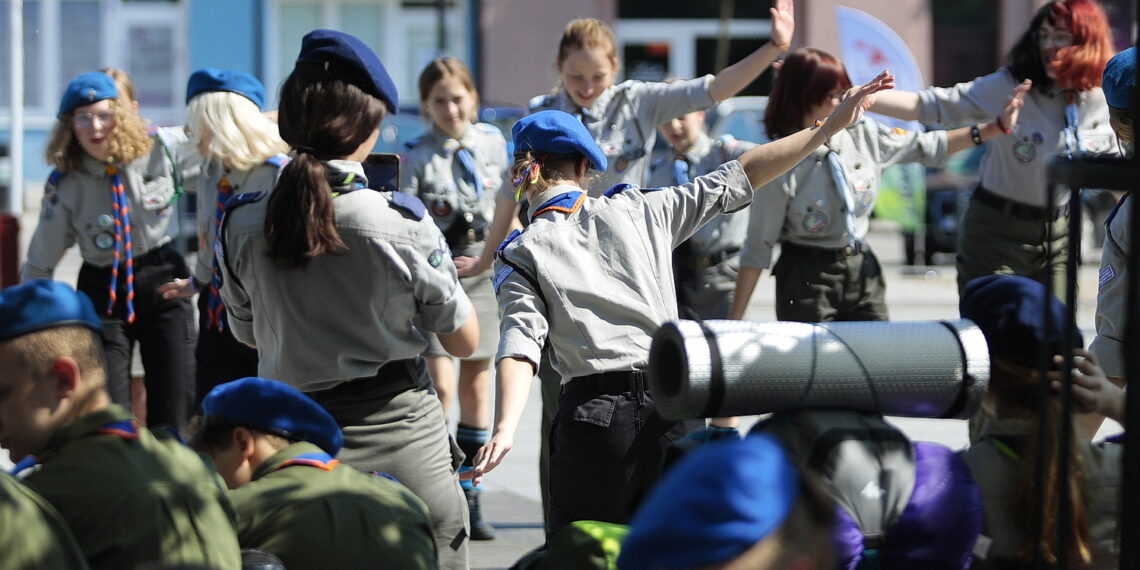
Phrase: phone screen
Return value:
(383, 171)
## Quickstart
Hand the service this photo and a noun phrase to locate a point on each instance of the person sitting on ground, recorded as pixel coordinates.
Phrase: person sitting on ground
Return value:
(128, 495)
(274, 446)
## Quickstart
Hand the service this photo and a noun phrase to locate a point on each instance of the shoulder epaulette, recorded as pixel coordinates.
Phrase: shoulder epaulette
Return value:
(243, 198)
(514, 234)
(408, 204)
(618, 189)
(540, 101)
(52, 184)
(278, 160)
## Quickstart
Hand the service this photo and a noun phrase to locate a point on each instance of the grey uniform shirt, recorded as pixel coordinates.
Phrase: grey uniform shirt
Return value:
(1108, 345)
(802, 206)
(1014, 164)
(433, 173)
(725, 232)
(79, 211)
(603, 271)
(260, 177)
(344, 316)
(624, 120)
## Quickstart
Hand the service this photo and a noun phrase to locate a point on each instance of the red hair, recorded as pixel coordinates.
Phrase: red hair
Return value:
(805, 79)
(1081, 64)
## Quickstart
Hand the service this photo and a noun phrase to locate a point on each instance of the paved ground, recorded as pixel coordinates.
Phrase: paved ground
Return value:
(511, 492)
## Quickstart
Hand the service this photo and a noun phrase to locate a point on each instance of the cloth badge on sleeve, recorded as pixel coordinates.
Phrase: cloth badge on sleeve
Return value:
(1106, 275)
(501, 276)
(435, 257)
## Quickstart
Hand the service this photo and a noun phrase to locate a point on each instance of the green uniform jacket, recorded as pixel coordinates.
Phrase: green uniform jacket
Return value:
(32, 534)
(331, 516)
(130, 501)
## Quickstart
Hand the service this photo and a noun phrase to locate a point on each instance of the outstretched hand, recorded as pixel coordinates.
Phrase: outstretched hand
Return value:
(490, 456)
(856, 101)
(783, 22)
(1013, 105)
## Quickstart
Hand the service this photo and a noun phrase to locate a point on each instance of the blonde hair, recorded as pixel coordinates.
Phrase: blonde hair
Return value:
(123, 82)
(243, 136)
(129, 140)
(36, 353)
(587, 33)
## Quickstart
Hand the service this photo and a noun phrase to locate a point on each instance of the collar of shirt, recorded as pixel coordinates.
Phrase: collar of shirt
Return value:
(595, 112)
(82, 426)
(94, 167)
(571, 204)
(439, 138)
(345, 175)
(699, 149)
(273, 463)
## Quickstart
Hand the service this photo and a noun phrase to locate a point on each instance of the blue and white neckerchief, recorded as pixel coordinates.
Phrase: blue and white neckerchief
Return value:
(843, 188)
(470, 174)
(681, 166)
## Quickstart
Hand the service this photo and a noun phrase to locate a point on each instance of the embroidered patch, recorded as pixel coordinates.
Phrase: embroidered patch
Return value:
(1024, 152)
(104, 241)
(815, 222)
(435, 257)
(1106, 275)
(219, 252)
(500, 276)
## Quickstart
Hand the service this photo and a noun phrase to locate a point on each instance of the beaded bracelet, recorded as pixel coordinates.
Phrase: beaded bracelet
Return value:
(976, 134)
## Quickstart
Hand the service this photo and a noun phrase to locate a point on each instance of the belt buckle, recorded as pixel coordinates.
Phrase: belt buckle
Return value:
(471, 236)
(703, 262)
(852, 250)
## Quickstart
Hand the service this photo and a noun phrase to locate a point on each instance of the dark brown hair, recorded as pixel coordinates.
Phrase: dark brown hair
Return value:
(322, 118)
(1082, 63)
(806, 78)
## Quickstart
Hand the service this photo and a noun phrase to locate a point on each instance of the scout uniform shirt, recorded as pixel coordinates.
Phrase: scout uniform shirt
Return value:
(624, 119)
(131, 497)
(34, 535)
(725, 233)
(1014, 165)
(1108, 345)
(599, 311)
(459, 201)
(260, 177)
(78, 209)
(346, 315)
(315, 512)
(802, 206)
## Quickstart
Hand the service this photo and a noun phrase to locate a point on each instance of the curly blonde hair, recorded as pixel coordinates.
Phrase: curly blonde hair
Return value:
(129, 140)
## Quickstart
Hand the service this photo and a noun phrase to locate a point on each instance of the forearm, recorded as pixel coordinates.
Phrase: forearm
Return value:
(961, 139)
(513, 382)
(734, 78)
(506, 218)
(463, 341)
(899, 104)
(767, 161)
(746, 279)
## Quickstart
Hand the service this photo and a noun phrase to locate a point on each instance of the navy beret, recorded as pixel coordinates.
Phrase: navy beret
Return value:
(86, 89)
(715, 503)
(1010, 310)
(210, 79)
(43, 304)
(274, 407)
(348, 59)
(1119, 78)
(557, 132)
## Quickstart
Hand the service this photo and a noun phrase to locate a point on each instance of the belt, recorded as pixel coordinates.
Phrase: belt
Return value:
(706, 261)
(607, 383)
(458, 237)
(1016, 209)
(822, 253)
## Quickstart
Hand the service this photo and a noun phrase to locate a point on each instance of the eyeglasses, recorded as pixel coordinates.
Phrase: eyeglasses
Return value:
(1057, 38)
(87, 120)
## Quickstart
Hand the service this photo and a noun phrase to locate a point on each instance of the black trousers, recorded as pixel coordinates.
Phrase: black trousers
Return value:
(163, 330)
(607, 448)
(219, 356)
(815, 285)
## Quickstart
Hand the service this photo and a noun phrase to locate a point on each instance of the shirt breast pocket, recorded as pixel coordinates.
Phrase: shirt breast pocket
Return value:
(157, 193)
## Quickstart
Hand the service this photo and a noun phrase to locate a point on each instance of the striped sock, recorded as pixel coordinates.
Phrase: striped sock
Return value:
(470, 439)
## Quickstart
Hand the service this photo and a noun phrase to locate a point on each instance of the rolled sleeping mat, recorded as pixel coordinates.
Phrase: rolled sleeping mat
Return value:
(922, 369)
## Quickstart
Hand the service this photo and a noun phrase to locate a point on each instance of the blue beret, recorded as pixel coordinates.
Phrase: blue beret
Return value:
(717, 502)
(1119, 78)
(1010, 310)
(210, 79)
(557, 132)
(86, 89)
(42, 304)
(274, 407)
(348, 59)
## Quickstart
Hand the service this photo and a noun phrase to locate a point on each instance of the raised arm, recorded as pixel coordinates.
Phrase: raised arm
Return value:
(770, 160)
(962, 138)
(732, 79)
(898, 104)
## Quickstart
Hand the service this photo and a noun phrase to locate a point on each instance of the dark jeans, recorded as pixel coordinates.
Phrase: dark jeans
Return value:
(163, 329)
(607, 448)
(219, 356)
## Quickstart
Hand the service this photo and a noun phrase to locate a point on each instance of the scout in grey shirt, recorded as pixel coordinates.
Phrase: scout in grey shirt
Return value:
(337, 284)
(112, 192)
(598, 311)
(1004, 226)
(820, 210)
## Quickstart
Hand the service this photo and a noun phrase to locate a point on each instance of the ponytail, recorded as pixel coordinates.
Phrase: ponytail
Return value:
(534, 171)
(300, 223)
